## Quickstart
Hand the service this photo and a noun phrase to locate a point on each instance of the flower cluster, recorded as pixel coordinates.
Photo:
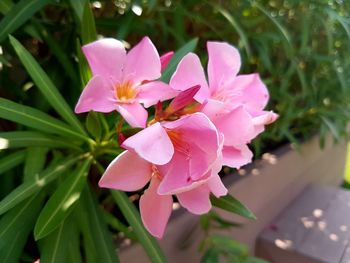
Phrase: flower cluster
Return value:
(180, 151)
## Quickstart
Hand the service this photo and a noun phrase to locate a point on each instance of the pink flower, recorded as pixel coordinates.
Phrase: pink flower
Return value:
(179, 158)
(121, 81)
(234, 103)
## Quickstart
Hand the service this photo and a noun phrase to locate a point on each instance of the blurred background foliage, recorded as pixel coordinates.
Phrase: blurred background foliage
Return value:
(300, 48)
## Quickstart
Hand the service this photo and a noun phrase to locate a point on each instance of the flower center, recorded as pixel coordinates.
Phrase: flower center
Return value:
(125, 91)
(179, 144)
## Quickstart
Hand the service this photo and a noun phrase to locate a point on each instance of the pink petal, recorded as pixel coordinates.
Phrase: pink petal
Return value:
(165, 59)
(254, 94)
(236, 157)
(176, 174)
(98, 96)
(264, 118)
(237, 127)
(142, 62)
(216, 186)
(127, 172)
(133, 113)
(200, 162)
(152, 144)
(106, 57)
(224, 63)
(177, 177)
(152, 92)
(213, 108)
(200, 137)
(196, 200)
(189, 73)
(155, 209)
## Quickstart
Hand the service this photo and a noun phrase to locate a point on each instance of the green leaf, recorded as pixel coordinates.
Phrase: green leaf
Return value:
(27, 189)
(45, 85)
(5, 6)
(88, 28)
(131, 214)
(84, 69)
(179, 54)
(222, 223)
(228, 245)
(54, 247)
(93, 124)
(16, 226)
(18, 139)
(78, 7)
(83, 221)
(74, 253)
(234, 23)
(100, 236)
(11, 160)
(35, 162)
(332, 127)
(62, 201)
(210, 256)
(19, 14)
(35, 119)
(116, 224)
(231, 204)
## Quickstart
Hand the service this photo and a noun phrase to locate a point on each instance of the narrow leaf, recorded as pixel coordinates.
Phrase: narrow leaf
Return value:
(27, 189)
(74, 253)
(234, 23)
(179, 54)
(84, 70)
(62, 201)
(35, 161)
(35, 119)
(15, 228)
(83, 221)
(19, 14)
(54, 247)
(78, 7)
(93, 125)
(231, 204)
(18, 139)
(102, 239)
(11, 160)
(88, 28)
(46, 86)
(131, 214)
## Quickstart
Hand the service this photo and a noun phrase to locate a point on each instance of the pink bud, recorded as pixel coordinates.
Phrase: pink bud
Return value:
(121, 138)
(165, 58)
(183, 99)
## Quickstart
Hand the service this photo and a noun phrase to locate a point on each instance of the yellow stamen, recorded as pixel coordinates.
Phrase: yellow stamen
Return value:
(125, 91)
(178, 142)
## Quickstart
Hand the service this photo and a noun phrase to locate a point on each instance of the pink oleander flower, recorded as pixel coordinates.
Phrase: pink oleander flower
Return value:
(179, 158)
(122, 81)
(234, 103)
